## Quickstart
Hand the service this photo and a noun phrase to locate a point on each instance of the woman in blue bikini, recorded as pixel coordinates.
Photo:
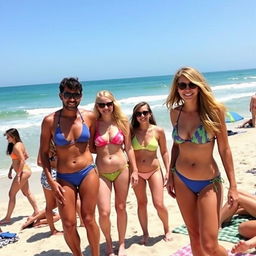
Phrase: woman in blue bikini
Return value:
(198, 120)
(71, 130)
(112, 141)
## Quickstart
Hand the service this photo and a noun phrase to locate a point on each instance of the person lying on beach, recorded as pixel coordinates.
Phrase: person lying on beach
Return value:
(246, 124)
(246, 205)
(16, 150)
(40, 220)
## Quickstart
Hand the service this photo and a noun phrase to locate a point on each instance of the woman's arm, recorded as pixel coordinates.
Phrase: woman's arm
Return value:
(10, 172)
(131, 157)
(164, 151)
(45, 140)
(227, 160)
(174, 156)
(18, 150)
(92, 132)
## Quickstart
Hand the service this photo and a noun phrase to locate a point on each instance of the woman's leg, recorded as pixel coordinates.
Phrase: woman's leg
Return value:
(26, 191)
(246, 229)
(142, 201)
(88, 191)
(156, 186)
(51, 204)
(104, 206)
(15, 187)
(187, 202)
(68, 217)
(209, 204)
(121, 186)
(78, 210)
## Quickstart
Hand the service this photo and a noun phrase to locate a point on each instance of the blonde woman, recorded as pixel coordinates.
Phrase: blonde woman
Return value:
(16, 150)
(113, 147)
(147, 138)
(198, 121)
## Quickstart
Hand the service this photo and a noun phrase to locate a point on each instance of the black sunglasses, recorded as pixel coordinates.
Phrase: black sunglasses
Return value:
(183, 86)
(69, 95)
(144, 113)
(108, 104)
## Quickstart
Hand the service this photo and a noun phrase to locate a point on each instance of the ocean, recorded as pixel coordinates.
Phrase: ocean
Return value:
(23, 107)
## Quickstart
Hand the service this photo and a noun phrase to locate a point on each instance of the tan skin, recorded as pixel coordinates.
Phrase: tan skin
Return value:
(201, 213)
(111, 158)
(253, 109)
(20, 181)
(246, 205)
(72, 158)
(147, 161)
(50, 198)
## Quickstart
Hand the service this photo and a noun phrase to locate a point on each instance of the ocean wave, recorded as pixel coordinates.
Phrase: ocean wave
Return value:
(231, 97)
(234, 86)
(147, 98)
(10, 114)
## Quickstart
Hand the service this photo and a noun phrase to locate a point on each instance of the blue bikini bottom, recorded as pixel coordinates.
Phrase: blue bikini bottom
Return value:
(76, 178)
(197, 186)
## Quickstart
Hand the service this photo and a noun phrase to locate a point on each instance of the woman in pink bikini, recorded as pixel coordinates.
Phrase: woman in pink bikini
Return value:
(147, 137)
(18, 154)
(112, 141)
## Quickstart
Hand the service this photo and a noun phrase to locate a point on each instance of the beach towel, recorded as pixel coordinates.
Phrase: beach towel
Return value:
(228, 232)
(7, 238)
(186, 251)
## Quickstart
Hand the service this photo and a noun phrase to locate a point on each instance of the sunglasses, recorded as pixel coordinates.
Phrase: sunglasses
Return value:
(103, 105)
(183, 86)
(70, 95)
(144, 113)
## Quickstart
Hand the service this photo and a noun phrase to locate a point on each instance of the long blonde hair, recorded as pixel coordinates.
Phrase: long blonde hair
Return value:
(209, 108)
(119, 117)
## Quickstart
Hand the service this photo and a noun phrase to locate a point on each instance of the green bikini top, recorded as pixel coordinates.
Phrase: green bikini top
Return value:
(152, 145)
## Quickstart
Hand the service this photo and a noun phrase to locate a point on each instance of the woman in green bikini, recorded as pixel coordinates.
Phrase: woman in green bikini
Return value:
(112, 138)
(146, 139)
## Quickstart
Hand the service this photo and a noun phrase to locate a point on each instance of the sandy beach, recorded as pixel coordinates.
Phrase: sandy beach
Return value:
(38, 242)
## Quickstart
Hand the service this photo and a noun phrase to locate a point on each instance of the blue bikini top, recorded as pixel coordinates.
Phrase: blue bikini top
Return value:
(199, 137)
(60, 140)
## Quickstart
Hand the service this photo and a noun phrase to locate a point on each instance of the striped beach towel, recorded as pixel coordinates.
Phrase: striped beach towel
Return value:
(186, 251)
(228, 232)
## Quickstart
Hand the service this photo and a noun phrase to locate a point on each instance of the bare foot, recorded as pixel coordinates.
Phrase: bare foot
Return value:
(121, 250)
(241, 246)
(168, 237)
(144, 239)
(35, 214)
(5, 221)
(56, 233)
(109, 249)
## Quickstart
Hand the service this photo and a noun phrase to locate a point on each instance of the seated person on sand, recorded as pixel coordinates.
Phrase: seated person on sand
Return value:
(246, 205)
(39, 220)
(246, 124)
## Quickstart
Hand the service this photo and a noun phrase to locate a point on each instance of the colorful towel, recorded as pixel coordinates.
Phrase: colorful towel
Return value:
(7, 238)
(229, 231)
(186, 251)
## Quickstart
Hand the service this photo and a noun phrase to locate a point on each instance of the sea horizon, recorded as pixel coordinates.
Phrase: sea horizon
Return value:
(24, 106)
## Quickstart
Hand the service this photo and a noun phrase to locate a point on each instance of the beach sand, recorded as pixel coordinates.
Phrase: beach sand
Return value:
(37, 241)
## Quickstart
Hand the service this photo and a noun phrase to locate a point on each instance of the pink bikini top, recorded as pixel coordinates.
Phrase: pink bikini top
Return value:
(118, 139)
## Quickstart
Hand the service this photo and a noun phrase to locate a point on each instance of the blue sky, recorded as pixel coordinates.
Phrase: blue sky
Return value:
(44, 41)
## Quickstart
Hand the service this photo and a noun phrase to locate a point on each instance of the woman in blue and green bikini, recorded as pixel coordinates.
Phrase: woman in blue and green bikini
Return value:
(112, 141)
(198, 121)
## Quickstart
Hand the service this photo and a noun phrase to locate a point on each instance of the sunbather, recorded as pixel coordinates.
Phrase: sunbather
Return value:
(246, 205)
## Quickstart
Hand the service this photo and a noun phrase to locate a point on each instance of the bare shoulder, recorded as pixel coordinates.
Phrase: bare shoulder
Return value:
(19, 147)
(88, 115)
(174, 113)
